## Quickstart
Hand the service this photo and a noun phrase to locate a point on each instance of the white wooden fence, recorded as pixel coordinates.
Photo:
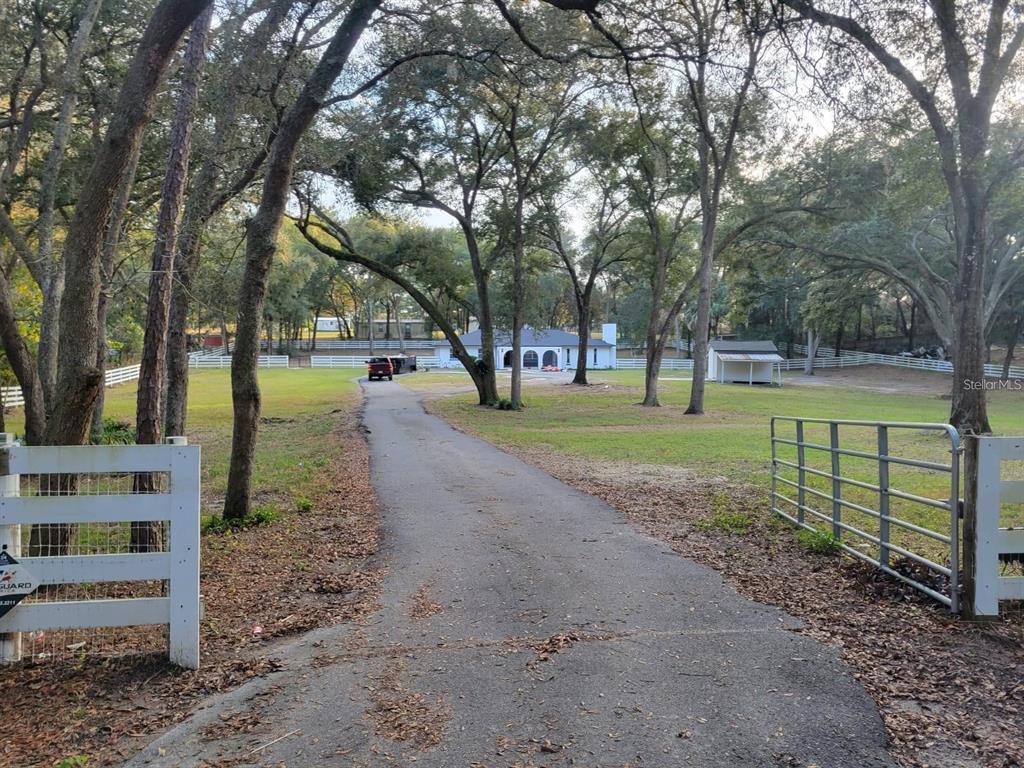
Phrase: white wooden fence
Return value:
(178, 567)
(826, 358)
(994, 539)
(13, 398)
(337, 361)
(359, 361)
(667, 363)
(224, 361)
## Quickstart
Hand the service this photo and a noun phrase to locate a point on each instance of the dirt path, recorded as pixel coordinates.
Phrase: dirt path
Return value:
(524, 623)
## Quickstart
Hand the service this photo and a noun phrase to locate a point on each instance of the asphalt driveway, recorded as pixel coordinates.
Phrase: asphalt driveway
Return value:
(524, 623)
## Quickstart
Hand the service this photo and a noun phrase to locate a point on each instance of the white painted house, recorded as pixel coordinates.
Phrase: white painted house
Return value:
(744, 362)
(540, 349)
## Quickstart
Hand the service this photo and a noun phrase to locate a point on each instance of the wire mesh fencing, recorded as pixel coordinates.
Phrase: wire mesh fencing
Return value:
(88, 539)
(114, 544)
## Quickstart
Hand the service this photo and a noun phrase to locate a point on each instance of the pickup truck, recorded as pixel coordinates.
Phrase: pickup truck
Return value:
(379, 367)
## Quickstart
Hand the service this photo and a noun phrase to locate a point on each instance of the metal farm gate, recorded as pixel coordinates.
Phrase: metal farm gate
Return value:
(886, 492)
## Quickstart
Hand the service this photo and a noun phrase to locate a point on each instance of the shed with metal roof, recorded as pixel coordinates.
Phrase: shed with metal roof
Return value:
(744, 362)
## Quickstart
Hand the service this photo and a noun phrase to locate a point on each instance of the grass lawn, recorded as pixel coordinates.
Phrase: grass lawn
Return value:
(731, 440)
(300, 407)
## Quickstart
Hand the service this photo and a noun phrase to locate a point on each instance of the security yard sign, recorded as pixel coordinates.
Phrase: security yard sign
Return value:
(16, 583)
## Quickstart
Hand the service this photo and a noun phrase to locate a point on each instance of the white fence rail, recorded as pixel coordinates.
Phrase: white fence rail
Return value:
(825, 357)
(667, 364)
(337, 361)
(997, 543)
(177, 566)
(359, 361)
(13, 398)
(223, 361)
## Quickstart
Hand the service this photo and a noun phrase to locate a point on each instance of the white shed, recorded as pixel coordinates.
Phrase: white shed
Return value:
(744, 362)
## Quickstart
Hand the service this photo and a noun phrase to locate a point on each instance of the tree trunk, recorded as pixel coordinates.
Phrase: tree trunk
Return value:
(20, 359)
(148, 536)
(398, 327)
(261, 242)
(968, 411)
(186, 261)
(839, 340)
(53, 290)
(77, 376)
(518, 254)
(486, 365)
(49, 327)
(583, 329)
(653, 354)
(812, 349)
(369, 325)
(702, 323)
(113, 237)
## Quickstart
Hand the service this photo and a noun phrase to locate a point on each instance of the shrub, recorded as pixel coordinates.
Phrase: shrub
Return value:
(115, 432)
(303, 504)
(75, 761)
(504, 404)
(818, 542)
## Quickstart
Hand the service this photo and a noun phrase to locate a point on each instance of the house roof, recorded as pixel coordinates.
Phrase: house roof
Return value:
(744, 347)
(532, 338)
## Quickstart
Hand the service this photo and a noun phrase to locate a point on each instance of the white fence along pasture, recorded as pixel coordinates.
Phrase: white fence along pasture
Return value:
(359, 361)
(97, 469)
(994, 539)
(826, 358)
(224, 361)
(667, 363)
(13, 398)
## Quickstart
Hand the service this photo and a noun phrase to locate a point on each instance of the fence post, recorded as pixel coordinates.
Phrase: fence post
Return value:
(969, 552)
(883, 496)
(955, 552)
(183, 592)
(10, 535)
(986, 528)
(801, 475)
(837, 485)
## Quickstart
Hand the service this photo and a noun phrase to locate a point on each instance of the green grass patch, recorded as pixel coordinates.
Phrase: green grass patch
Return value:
(818, 542)
(731, 523)
(732, 439)
(259, 516)
(300, 409)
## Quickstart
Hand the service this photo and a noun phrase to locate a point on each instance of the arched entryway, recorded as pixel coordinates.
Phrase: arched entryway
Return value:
(530, 359)
(550, 358)
(507, 362)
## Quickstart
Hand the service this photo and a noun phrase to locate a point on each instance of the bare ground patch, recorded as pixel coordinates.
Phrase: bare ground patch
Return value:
(878, 378)
(306, 570)
(950, 692)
